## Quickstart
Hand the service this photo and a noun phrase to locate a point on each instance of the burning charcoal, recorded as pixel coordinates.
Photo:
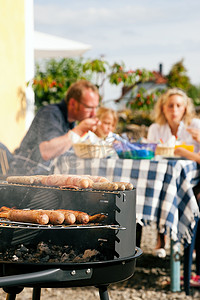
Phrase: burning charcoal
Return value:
(23, 249)
(59, 254)
(72, 255)
(18, 253)
(31, 259)
(78, 259)
(56, 248)
(15, 258)
(45, 259)
(90, 253)
(47, 252)
(64, 257)
(43, 248)
(56, 260)
(66, 249)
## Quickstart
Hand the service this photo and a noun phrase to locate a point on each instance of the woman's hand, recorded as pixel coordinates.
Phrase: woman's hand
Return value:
(179, 151)
(195, 133)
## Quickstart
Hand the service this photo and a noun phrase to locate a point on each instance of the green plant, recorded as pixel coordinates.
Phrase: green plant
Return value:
(194, 93)
(142, 100)
(128, 77)
(177, 77)
(54, 78)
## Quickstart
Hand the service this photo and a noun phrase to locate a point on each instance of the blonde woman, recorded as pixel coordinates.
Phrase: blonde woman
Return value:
(175, 115)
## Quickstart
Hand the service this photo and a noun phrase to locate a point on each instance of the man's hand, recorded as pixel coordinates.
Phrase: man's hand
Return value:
(195, 133)
(86, 125)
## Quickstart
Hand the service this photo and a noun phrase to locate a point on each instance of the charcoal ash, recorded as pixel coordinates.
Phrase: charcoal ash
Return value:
(44, 252)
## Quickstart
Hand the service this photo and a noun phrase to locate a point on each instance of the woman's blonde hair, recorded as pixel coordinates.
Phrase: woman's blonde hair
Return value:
(189, 106)
(102, 111)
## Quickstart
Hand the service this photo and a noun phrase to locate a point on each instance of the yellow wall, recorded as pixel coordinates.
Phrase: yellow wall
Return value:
(12, 72)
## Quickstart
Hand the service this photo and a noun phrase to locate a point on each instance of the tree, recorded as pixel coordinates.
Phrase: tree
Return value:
(177, 77)
(54, 78)
(52, 81)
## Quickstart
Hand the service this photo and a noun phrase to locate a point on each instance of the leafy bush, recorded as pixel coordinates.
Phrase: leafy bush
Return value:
(51, 84)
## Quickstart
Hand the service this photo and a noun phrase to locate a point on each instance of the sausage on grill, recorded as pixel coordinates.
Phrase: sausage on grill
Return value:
(128, 185)
(82, 182)
(81, 217)
(20, 179)
(97, 218)
(70, 218)
(55, 217)
(97, 178)
(106, 186)
(30, 216)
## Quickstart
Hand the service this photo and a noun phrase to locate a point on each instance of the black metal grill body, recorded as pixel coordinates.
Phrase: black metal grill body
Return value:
(118, 206)
(117, 245)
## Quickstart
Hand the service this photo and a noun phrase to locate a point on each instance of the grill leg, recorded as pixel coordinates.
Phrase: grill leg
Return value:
(11, 297)
(12, 292)
(36, 293)
(103, 292)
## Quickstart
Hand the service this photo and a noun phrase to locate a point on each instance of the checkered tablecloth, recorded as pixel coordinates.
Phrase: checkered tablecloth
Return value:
(163, 188)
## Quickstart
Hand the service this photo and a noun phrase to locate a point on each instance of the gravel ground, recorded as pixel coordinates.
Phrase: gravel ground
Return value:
(150, 281)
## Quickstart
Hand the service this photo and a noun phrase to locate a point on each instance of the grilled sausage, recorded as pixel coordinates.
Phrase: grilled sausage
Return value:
(4, 214)
(97, 218)
(70, 218)
(20, 179)
(97, 178)
(128, 185)
(4, 208)
(121, 186)
(65, 180)
(32, 216)
(105, 186)
(81, 217)
(55, 217)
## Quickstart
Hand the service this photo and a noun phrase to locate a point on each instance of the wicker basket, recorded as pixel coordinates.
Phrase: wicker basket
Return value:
(92, 151)
(164, 151)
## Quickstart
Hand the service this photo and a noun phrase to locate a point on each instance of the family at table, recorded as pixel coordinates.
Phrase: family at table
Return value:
(45, 149)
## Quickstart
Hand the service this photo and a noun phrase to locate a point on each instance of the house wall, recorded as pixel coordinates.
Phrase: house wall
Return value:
(12, 73)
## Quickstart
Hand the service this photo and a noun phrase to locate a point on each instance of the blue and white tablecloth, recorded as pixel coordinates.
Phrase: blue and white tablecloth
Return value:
(163, 188)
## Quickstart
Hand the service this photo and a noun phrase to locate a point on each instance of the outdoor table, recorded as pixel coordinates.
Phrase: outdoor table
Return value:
(163, 191)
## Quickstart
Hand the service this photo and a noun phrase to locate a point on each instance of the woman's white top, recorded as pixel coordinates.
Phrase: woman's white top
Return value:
(157, 132)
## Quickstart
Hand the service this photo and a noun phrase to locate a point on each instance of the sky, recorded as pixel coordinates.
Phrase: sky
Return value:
(142, 34)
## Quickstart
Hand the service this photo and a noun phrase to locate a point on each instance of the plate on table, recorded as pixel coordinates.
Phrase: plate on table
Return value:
(174, 157)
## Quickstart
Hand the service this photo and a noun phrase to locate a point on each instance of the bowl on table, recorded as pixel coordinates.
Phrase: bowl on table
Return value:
(135, 150)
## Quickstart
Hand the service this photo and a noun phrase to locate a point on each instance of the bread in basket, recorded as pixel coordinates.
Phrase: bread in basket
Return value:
(84, 150)
(164, 150)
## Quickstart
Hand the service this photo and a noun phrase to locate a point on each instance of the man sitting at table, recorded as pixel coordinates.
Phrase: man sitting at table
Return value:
(50, 131)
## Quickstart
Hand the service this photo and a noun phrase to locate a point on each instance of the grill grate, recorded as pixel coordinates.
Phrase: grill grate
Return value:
(11, 224)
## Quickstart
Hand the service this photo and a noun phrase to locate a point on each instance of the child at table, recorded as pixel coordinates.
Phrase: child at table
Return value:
(107, 122)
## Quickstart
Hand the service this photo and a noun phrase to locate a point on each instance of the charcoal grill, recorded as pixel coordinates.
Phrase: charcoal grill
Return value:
(115, 239)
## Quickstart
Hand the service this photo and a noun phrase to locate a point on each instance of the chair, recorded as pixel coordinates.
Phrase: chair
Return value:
(4, 162)
(188, 251)
(5, 158)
